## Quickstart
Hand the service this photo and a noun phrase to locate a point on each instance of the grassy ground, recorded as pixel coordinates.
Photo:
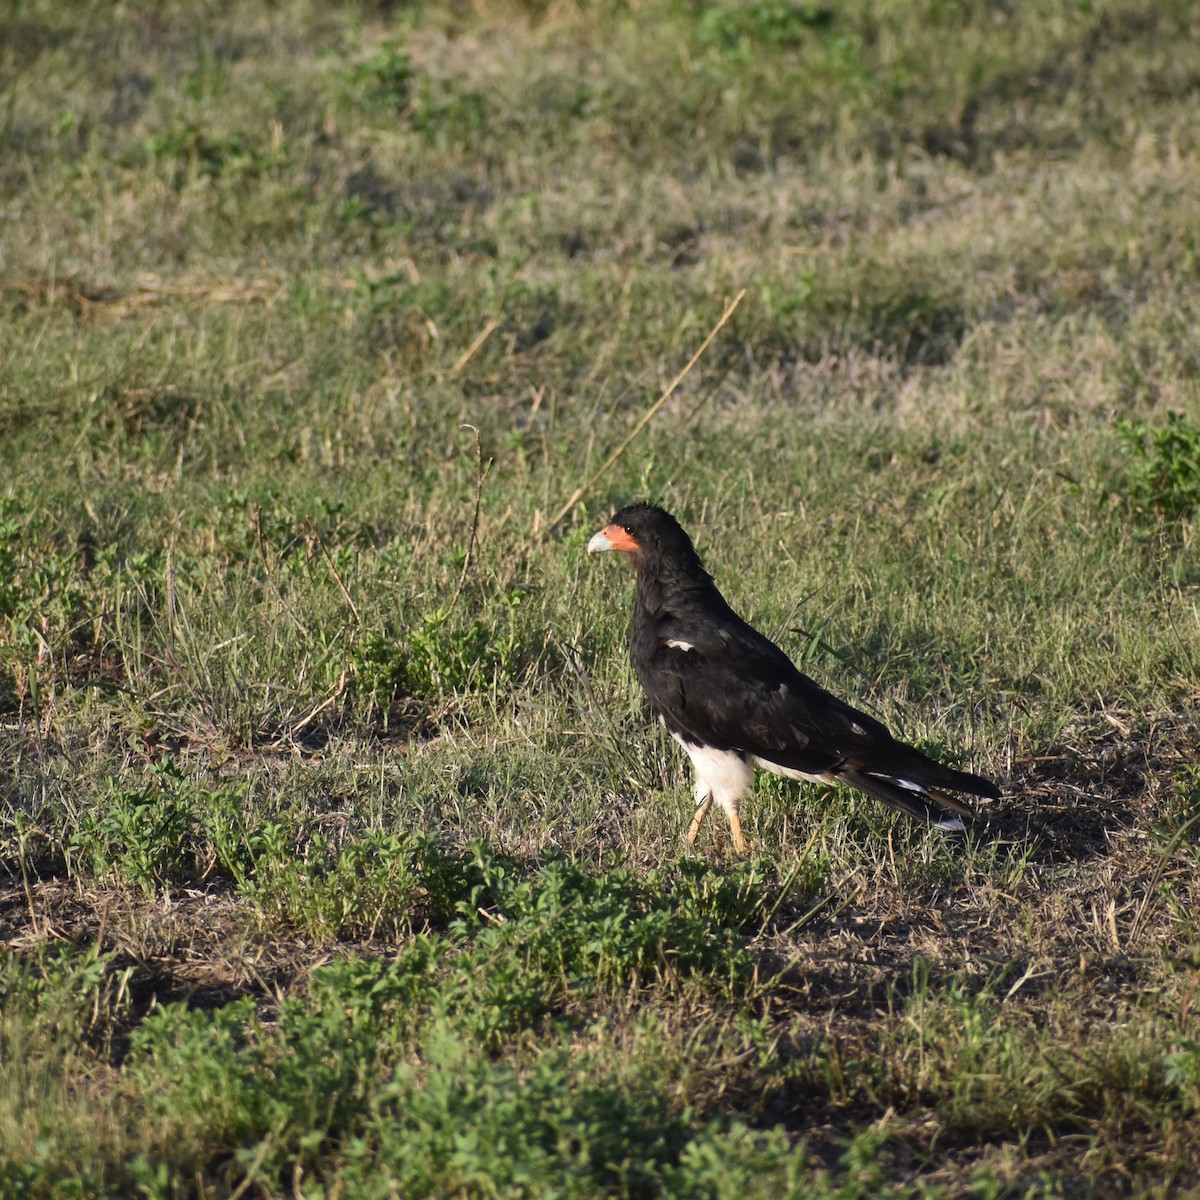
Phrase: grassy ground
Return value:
(338, 853)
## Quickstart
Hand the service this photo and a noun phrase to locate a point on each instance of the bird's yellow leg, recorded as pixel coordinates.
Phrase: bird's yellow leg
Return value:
(698, 820)
(735, 828)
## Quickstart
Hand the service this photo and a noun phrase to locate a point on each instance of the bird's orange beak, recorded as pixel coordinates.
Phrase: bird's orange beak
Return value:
(612, 537)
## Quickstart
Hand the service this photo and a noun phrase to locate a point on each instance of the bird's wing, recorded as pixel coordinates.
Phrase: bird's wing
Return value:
(723, 684)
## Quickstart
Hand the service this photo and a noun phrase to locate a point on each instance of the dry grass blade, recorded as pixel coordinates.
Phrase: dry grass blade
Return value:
(481, 473)
(646, 417)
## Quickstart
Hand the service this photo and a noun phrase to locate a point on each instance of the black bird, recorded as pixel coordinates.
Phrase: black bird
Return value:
(735, 701)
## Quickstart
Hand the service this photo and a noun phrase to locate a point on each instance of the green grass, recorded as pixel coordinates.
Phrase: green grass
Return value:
(339, 854)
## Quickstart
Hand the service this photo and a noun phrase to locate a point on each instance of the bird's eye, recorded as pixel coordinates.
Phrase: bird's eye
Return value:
(629, 531)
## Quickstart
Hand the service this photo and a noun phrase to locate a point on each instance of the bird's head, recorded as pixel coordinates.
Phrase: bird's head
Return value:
(650, 537)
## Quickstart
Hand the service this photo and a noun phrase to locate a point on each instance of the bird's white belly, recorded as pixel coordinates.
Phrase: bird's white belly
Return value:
(722, 774)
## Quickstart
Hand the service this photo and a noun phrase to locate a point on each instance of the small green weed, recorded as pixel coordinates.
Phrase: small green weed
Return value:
(608, 931)
(1183, 1073)
(1162, 467)
(379, 669)
(744, 28)
(382, 81)
(147, 836)
(561, 1125)
(1185, 796)
(377, 885)
(396, 295)
(441, 112)
(202, 1069)
(59, 990)
(187, 150)
(360, 890)
(226, 1075)
(442, 654)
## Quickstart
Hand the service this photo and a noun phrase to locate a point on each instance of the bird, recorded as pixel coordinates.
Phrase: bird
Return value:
(735, 701)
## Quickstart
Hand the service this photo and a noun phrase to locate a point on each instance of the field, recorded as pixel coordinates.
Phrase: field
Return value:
(340, 855)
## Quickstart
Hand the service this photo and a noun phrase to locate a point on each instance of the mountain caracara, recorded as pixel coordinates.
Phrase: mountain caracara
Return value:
(735, 701)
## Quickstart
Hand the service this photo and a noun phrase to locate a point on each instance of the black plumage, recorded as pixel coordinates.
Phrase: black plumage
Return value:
(735, 701)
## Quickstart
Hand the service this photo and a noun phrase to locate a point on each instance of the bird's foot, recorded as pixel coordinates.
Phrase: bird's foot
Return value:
(735, 828)
(698, 820)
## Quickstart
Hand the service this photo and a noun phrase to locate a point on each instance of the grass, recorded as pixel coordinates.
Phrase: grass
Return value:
(338, 852)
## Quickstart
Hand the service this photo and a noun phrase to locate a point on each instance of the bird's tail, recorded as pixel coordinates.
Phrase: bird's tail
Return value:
(959, 781)
(921, 800)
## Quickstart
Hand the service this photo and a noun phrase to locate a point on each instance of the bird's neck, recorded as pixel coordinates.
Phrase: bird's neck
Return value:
(665, 591)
